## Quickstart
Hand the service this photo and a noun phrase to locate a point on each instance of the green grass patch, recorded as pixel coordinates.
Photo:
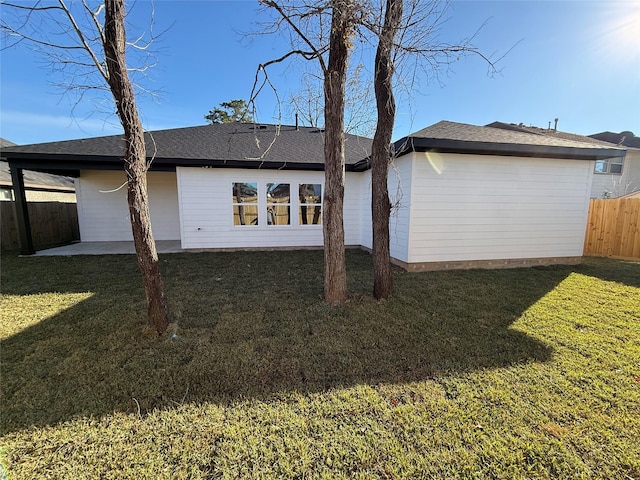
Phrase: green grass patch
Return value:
(523, 373)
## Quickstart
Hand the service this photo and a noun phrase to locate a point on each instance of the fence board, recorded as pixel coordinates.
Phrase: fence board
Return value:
(613, 228)
(52, 223)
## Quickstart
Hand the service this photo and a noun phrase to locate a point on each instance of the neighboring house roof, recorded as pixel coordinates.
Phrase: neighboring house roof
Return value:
(627, 139)
(448, 137)
(6, 143)
(245, 145)
(38, 180)
(34, 180)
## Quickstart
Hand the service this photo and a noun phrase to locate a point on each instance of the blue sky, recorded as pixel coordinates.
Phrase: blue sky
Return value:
(578, 61)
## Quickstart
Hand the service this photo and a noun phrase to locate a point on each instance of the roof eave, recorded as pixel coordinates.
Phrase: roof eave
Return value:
(71, 165)
(410, 144)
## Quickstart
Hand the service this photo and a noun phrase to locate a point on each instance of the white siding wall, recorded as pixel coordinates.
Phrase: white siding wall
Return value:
(354, 198)
(472, 207)
(399, 185)
(400, 194)
(447, 207)
(105, 216)
(602, 183)
(366, 233)
(205, 197)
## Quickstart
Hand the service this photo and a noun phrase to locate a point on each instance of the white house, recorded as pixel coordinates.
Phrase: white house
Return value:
(618, 177)
(463, 195)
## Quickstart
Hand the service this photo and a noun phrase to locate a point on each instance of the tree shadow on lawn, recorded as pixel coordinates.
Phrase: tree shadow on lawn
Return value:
(251, 325)
(626, 272)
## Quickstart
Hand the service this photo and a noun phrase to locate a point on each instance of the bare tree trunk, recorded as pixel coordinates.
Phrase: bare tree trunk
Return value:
(335, 271)
(381, 151)
(135, 165)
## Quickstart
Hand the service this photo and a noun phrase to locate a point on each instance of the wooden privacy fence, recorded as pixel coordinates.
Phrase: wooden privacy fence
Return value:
(52, 223)
(613, 228)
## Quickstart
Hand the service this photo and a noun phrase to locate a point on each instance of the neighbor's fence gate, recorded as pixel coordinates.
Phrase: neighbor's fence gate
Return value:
(613, 228)
(52, 223)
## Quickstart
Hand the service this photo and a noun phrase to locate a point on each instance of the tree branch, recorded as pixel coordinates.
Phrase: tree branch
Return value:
(317, 52)
(100, 67)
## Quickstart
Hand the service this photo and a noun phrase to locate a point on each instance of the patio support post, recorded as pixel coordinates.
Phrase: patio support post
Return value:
(22, 212)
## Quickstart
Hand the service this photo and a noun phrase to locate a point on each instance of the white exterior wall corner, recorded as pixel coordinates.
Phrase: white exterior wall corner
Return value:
(103, 211)
(484, 207)
(354, 200)
(400, 185)
(206, 206)
(366, 232)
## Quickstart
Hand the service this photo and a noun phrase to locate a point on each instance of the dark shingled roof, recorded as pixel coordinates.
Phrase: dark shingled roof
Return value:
(549, 132)
(452, 137)
(244, 145)
(626, 139)
(248, 145)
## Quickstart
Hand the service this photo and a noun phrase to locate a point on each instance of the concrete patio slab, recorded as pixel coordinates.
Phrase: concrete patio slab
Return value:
(107, 248)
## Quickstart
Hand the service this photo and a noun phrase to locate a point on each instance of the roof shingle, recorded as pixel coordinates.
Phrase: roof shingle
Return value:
(448, 136)
(218, 142)
(474, 133)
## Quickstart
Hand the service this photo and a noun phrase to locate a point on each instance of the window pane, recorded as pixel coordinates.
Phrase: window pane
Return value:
(245, 192)
(601, 166)
(277, 193)
(245, 214)
(278, 207)
(310, 215)
(310, 193)
(245, 199)
(278, 214)
(615, 167)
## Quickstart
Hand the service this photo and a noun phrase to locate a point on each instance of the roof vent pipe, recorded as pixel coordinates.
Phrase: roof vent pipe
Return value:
(549, 125)
(555, 127)
(296, 120)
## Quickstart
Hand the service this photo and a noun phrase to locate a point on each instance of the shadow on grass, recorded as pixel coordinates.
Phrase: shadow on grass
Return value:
(626, 272)
(252, 324)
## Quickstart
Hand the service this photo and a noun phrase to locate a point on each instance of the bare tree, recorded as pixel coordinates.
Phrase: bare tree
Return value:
(407, 38)
(359, 110)
(100, 46)
(381, 150)
(408, 48)
(335, 76)
(336, 44)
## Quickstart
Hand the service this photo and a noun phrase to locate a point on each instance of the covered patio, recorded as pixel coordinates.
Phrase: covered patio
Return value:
(107, 248)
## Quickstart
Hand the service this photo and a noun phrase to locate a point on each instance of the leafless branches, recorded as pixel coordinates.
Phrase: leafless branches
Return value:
(308, 102)
(70, 37)
(90, 42)
(419, 52)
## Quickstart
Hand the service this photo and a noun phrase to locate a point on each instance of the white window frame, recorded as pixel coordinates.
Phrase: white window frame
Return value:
(234, 204)
(607, 163)
(310, 205)
(294, 204)
(267, 205)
